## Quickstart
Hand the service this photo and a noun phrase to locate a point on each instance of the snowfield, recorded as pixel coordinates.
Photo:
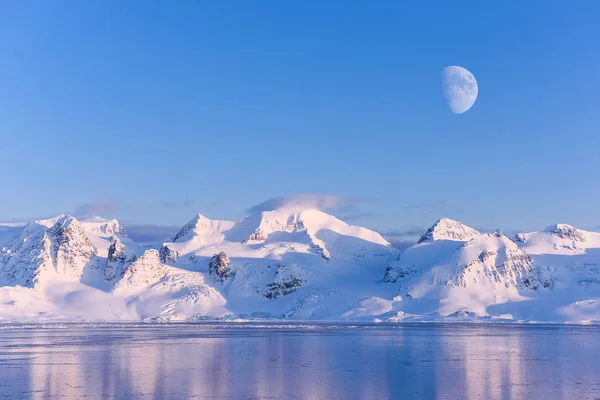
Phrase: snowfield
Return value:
(295, 263)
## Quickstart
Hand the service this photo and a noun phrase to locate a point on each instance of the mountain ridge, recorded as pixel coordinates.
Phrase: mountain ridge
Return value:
(296, 263)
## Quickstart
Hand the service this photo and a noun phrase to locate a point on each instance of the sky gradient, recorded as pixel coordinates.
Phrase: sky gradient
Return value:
(150, 111)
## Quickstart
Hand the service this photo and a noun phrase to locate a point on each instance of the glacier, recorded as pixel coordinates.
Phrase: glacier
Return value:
(295, 263)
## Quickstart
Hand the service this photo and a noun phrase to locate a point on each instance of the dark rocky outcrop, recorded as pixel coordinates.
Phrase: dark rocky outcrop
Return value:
(256, 236)
(116, 259)
(392, 274)
(286, 281)
(283, 288)
(219, 267)
(168, 255)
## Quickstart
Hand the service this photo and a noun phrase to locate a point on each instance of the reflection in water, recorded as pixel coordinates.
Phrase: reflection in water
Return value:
(317, 362)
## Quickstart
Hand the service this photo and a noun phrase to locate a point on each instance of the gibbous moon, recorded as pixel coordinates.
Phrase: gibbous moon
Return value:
(460, 88)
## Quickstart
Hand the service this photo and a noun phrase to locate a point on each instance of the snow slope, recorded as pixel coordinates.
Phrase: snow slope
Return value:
(445, 276)
(295, 262)
(571, 257)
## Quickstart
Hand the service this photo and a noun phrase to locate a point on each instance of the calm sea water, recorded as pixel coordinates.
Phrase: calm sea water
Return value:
(253, 361)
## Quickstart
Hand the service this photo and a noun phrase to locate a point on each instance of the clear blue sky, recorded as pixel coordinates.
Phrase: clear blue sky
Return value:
(171, 108)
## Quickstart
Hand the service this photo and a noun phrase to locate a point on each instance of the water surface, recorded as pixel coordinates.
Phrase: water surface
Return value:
(262, 361)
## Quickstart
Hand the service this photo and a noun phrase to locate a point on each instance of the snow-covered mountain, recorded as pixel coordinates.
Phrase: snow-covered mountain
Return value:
(289, 262)
(294, 263)
(559, 239)
(459, 270)
(447, 229)
(45, 250)
(571, 257)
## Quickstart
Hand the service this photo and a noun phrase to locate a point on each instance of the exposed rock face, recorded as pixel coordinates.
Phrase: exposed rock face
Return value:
(283, 288)
(168, 255)
(219, 267)
(447, 229)
(485, 254)
(286, 282)
(71, 249)
(565, 231)
(325, 253)
(322, 251)
(116, 251)
(519, 237)
(256, 236)
(143, 271)
(463, 313)
(500, 261)
(116, 259)
(62, 249)
(187, 228)
(24, 257)
(393, 274)
(110, 272)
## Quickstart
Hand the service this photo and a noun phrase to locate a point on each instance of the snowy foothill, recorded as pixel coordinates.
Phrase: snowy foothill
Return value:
(293, 263)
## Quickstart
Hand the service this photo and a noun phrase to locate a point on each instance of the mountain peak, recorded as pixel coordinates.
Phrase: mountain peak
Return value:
(448, 229)
(565, 231)
(203, 227)
(68, 225)
(61, 219)
(103, 227)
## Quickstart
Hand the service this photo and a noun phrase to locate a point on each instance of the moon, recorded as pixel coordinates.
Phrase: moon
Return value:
(460, 88)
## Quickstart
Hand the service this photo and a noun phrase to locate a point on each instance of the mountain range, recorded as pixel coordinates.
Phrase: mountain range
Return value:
(295, 263)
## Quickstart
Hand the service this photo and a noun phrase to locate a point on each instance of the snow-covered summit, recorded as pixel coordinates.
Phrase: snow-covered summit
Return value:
(48, 223)
(467, 275)
(313, 221)
(558, 239)
(275, 261)
(57, 248)
(565, 231)
(94, 225)
(571, 256)
(203, 229)
(448, 229)
(304, 227)
(104, 227)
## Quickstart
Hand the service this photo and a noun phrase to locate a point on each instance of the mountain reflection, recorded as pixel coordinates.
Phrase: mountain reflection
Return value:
(321, 362)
